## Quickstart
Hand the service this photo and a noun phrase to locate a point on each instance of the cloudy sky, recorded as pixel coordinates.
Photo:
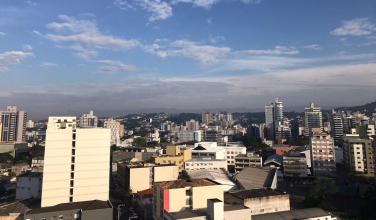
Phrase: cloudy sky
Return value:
(60, 56)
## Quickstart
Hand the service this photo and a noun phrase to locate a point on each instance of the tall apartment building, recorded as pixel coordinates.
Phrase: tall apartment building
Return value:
(295, 164)
(185, 136)
(337, 126)
(358, 153)
(313, 118)
(192, 125)
(88, 120)
(29, 124)
(76, 163)
(273, 117)
(13, 125)
(322, 153)
(179, 195)
(207, 118)
(114, 126)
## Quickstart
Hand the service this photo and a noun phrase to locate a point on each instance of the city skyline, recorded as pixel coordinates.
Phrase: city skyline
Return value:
(144, 54)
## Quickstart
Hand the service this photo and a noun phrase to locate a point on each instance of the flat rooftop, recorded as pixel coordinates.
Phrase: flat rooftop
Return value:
(86, 205)
(15, 207)
(293, 214)
(31, 174)
(189, 213)
(238, 197)
(186, 183)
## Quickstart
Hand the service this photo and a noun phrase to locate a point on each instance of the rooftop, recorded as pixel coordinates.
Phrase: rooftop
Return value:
(146, 192)
(15, 207)
(218, 176)
(238, 197)
(255, 178)
(30, 174)
(189, 213)
(86, 205)
(292, 214)
(186, 183)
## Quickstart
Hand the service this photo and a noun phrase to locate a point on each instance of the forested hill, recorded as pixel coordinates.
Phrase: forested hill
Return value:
(369, 107)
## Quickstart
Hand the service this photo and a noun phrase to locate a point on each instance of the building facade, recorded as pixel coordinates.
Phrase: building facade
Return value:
(313, 118)
(76, 163)
(88, 120)
(29, 185)
(13, 125)
(295, 164)
(247, 160)
(114, 126)
(322, 154)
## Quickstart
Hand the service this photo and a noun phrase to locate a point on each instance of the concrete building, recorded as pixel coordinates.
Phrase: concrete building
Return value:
(139, 153)
(213, 135)
(358, 154)
(114, 126)
(174, 155)
(153, 136)
(337, 126)
(273, 117)
(207, 118)
(322, 153)
(185, 136)
(144, 199)
(121, 130)
(219, 176)
(201, 152)
(282, 149)
(21, 168)
(29, 124)
(13, 148)
(138, 176)
(247, 160)
(204, 164)
(29, 185)
(297, 214)
(259, 201)
(179, 195)
(86, 210)
(192, 125)
(88, 120)
(215, 210)
(13, 211)
(76, 163)
(313, 118)
(295, 164)
(13, 125)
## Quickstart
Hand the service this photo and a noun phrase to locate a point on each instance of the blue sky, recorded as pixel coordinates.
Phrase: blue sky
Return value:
(57, 56)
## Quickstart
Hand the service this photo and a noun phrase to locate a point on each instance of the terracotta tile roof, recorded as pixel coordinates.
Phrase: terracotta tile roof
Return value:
(186, 183)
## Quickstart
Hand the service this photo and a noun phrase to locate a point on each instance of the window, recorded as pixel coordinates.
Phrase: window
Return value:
(61, 217)
(43, 218)
(71, 199)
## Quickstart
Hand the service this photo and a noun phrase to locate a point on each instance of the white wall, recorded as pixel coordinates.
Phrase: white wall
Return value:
(28, 187)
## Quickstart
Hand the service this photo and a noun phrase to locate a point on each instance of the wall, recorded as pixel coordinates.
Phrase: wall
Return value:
(201, 194)
(205, 164)
(269, 204)
(49, 215)
(98, 214)
(139, 179)
(28, 187)
(166, 173)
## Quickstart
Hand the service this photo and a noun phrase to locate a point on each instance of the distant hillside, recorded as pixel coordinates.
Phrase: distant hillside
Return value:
(369, 107)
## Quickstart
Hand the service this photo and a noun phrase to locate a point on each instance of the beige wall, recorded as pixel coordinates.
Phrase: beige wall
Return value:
(177, 200)
(166, 173)
(173, 150)
(139, 179)
(200, 195)
(187, 154)
(269, 204)
(177, 160)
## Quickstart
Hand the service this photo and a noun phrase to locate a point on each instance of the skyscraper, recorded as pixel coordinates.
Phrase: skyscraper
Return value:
(88, 120)
(13, 125)
(313, 118)
(273, 117)
(115, 127)
(337, 126)
(76, 163)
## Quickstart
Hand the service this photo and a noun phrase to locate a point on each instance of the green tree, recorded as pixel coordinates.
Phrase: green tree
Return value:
(164, 140)
(318, 189)
(139, 142)
(184, 175)
(37, 151)
(368, 210)
(6, 158)
(12, 174)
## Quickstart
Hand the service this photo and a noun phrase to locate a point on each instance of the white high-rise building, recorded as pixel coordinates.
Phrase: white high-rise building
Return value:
(313, 118)
(76, 163)
(273, 117)
(88, 120)
(337, 126)
(192, 125)
(114, 126)
(13, 125)
(29, 124)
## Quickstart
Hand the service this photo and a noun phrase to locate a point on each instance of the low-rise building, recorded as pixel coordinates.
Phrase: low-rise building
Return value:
(13, 211)
(219, 176)
(87, 210)
(138, 175)
(13, 148)
(247, 160)
(257, 178)
(180, 195)
(144, 200)
(259, 201)
(283, 149)
(297, 214)
(21, 168)
(295, 164)
(29, 185)
(203, 164)
(174, 155)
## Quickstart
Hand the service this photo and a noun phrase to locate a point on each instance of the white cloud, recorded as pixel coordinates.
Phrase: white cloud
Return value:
(356, 27)
(207, 4)
(216, 39)
(159, 10)
(371, 37)
(114, 66)
(27, 47)
(313, 47)
(209, 20)
(48, 64)
(11, 58)
(124, 5)
(205, 55)
(278, 50)
(2, 34)
(83, 53)
(86, 33)
(37, 33)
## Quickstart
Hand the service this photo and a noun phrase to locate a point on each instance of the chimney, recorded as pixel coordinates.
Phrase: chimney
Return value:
(215, 209)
